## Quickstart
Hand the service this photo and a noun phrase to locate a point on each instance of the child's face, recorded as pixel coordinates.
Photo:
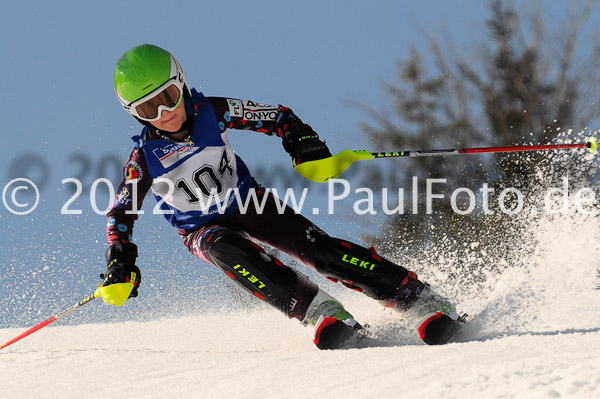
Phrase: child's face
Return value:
(171, 121)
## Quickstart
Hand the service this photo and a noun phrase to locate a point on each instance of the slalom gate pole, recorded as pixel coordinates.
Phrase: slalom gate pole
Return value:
(52, 319)
(322, 170)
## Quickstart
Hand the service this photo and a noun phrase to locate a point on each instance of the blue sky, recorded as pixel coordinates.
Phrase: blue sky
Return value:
(61, 118)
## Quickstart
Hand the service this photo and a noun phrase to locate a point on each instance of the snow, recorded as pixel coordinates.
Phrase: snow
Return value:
(257, 356)
(536, 335)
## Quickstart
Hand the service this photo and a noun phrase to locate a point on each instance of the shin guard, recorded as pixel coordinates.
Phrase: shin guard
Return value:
(364, 270)
(261, 274)
(357, 267)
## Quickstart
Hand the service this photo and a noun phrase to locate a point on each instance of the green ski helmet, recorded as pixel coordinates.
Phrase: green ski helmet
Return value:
(149, 79)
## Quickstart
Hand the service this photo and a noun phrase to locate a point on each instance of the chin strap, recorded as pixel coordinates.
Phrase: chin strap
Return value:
(187, 125)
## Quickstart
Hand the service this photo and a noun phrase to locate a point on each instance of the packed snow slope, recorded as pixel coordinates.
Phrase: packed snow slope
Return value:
(259, 356)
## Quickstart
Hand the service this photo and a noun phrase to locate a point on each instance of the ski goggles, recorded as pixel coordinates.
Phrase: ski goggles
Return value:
(165, 97)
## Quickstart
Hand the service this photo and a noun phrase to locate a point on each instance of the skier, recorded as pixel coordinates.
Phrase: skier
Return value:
(184, 157)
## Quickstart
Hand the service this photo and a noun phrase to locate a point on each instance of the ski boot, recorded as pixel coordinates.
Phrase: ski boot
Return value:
(333, 325)
(438, 328)
(438, 320)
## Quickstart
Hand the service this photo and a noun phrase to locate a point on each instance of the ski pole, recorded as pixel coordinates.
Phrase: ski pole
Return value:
(516, 148)
(52, 319)
(322, 170)
(114, 294)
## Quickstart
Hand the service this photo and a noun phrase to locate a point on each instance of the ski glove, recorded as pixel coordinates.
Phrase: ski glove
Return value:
(303, 144)
(120, 260)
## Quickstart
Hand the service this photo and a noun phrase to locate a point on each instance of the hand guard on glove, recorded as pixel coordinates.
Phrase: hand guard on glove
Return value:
(120, 260)
(303, 144)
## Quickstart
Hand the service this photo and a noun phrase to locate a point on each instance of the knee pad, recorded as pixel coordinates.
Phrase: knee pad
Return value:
(357, 267)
